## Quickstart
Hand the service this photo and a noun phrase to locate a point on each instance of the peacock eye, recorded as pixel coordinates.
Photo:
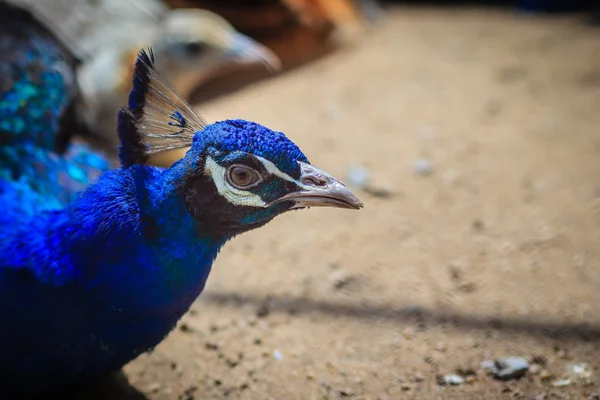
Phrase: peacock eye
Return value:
(242, 177)
(194, 48)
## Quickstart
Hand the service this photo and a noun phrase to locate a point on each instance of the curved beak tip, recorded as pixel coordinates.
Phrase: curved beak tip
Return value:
(250, 51)
(347, 197)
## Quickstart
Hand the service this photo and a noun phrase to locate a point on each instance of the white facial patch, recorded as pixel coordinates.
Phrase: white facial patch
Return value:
(243, 197)
(230, 193)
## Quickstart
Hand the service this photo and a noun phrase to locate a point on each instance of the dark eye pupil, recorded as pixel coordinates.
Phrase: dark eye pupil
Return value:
(242, 176)
(194, 48)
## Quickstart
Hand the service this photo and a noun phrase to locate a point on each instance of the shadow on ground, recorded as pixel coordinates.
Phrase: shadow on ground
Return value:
(414, 315)
(117, 387)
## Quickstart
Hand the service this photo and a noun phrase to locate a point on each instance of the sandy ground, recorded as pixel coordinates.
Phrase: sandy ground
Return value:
(495, 253)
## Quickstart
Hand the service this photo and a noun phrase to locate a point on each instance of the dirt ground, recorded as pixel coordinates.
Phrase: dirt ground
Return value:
(495, 253)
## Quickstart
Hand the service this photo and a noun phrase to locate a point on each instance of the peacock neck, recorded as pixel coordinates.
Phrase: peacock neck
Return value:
(153, 261)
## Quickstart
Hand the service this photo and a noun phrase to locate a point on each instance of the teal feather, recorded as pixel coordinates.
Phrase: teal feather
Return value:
(38, 96)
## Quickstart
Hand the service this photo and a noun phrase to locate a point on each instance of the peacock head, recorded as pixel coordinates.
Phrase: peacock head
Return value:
(237, 175)
(196, 44)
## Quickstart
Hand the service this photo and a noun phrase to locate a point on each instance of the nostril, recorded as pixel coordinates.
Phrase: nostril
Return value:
(312, 180)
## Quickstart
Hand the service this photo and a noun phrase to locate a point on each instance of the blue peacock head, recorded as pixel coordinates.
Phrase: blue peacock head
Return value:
(237, 174)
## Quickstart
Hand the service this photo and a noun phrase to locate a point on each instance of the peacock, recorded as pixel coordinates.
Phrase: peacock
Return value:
(98, 265)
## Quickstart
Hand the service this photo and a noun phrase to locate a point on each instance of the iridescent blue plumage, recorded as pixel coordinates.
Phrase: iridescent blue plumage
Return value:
(90, 284)
(37, 112)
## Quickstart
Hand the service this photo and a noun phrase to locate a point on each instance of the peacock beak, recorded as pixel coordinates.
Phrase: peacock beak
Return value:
(319, 189)
(249, 51)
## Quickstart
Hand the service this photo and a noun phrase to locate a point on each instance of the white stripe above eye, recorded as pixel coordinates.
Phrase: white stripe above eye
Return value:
(272, 169)
(243, 197)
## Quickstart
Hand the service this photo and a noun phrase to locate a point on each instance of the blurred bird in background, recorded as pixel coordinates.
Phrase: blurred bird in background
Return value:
(191, 46)
(297, 31)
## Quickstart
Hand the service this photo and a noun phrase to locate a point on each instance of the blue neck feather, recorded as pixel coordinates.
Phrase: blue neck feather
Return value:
(132, 223)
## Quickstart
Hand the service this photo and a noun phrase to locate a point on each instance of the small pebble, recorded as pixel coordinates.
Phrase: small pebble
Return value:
(333, 112)
(561, 383)
(546, 375)
(408, 333)
(441, 347)
(535, 369)
(262, 311)
(358, 176)
(578, 373)
(477, 225)
(422, 166)
(188, 394)
(506, 368)
(277, 355)
(451, 379)
(341, 279)
(418, 377)
(581, 373)
(211, 346)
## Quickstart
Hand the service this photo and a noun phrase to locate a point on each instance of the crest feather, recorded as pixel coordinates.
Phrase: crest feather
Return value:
(157, 119)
